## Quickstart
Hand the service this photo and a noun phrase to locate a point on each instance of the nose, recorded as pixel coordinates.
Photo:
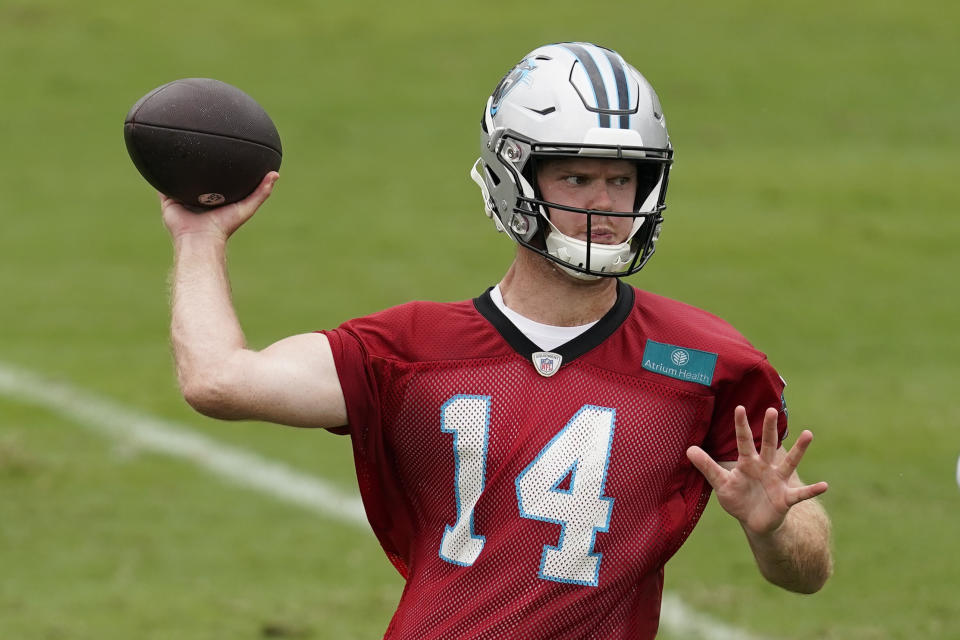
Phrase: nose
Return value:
(600, 198)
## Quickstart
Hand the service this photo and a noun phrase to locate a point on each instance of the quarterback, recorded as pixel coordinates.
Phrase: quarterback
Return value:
(529, 459)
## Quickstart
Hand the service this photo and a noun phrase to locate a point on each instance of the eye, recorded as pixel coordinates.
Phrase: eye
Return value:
(576, 180)
(622, 181)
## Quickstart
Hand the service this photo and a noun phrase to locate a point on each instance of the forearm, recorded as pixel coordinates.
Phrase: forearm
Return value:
(796, 556)
(204, 329)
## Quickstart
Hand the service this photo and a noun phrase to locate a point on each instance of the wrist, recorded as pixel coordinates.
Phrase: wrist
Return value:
(199, 239)
(764, 535)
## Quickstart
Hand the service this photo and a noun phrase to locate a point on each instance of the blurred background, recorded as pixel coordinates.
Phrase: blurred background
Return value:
(813, 204)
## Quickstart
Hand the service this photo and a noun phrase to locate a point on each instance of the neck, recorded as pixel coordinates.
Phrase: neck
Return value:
(538, 289)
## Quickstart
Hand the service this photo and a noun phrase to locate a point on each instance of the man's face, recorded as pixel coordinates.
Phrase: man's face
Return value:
(601, 184)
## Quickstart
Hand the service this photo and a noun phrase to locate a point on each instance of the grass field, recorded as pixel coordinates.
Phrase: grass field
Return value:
(813, 204)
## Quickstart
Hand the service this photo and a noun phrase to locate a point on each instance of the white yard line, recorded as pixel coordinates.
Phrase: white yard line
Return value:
(126, 425)
(678, 619)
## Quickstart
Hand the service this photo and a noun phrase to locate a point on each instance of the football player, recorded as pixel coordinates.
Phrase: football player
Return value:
(530, 459)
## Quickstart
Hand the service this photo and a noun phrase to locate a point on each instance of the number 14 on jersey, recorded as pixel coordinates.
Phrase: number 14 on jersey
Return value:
(563, 484)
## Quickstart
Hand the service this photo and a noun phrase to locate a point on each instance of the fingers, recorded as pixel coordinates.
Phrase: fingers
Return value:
(769, 438)
(244, 209)
(222, 221)
(713, 472)
(799, 494)
(261, 193)
(792, 460)
(745, 445)
(788, 467)
(165, 200)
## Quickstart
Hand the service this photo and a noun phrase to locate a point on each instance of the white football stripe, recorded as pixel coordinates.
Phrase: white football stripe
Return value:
(256, 472)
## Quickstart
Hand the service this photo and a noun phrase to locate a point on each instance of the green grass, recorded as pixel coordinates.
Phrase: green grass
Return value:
(110, 541)
(812, 204)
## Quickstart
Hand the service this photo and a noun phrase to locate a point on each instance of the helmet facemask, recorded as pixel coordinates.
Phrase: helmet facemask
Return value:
(527, 219)
(586, 258)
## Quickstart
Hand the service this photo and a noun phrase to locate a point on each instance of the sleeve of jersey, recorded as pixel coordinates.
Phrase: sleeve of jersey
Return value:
(757, 390)
(356, 379)
(362, 397)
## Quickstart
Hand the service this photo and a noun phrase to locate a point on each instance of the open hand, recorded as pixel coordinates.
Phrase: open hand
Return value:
(759, 488)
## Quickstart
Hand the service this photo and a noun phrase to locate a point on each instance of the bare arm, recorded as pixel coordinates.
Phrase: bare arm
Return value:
(293, 381)
(796, 555)
(787, 528)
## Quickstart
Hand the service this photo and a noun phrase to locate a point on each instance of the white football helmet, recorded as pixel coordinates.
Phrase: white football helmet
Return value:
(573, 100)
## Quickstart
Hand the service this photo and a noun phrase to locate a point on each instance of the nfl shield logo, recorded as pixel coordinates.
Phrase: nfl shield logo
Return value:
(546, 363)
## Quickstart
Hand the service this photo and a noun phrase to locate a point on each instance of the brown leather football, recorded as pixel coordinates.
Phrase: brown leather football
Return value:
(202, 141)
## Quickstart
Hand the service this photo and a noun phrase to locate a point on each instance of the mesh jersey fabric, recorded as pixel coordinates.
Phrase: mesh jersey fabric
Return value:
(523, 506)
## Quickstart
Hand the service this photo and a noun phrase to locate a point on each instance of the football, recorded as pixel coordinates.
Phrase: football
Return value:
(201, 141)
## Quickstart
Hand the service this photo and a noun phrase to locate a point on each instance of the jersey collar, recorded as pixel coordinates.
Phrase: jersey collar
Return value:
(571, 350)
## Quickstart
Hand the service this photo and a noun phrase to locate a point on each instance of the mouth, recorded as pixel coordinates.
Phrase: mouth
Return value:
(600, 236)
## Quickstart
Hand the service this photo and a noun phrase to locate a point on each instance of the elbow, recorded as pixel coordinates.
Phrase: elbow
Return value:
(818, 577)
(807, 580)
(809, 587)
(208, 393)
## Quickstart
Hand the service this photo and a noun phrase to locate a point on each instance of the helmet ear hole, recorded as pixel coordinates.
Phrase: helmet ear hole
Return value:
(494, 178)
(531, 174)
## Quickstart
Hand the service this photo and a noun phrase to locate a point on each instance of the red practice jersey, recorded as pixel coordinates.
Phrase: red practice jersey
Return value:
(529, 494)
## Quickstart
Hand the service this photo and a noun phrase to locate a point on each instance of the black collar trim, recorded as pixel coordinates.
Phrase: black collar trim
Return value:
(572, 350)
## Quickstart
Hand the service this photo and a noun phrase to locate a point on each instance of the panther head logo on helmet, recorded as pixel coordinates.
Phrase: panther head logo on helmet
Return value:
(519, 73)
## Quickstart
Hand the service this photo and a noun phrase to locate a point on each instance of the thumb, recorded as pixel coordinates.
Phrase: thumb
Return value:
(713, 472)
(243, 210)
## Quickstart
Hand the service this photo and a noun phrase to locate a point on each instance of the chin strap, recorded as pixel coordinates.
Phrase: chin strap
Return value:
(606, 258)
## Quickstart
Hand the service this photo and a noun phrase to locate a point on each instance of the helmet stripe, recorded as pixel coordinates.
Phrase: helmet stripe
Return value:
(623, 90)
(596, 79)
